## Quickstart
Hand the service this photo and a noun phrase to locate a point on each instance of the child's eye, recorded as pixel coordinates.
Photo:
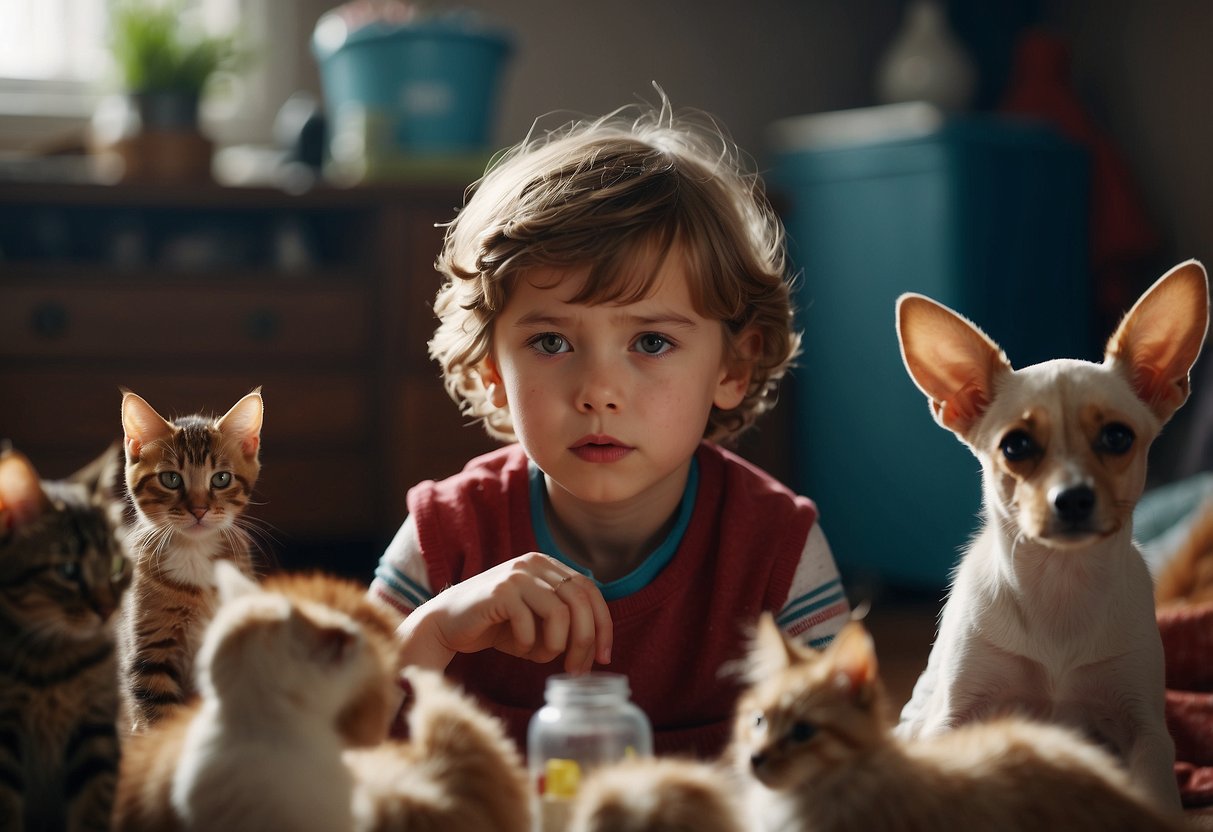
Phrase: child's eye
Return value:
(170, 479)
(549, 343)
(222, 479)
(652, 343)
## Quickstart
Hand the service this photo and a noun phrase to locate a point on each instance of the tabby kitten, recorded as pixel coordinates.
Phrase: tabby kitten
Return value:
(813, 738)
(62, 575)
(286, 682)
(190, 481)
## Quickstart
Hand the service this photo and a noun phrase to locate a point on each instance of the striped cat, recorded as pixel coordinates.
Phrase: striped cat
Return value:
(190, 481)
(62, 574)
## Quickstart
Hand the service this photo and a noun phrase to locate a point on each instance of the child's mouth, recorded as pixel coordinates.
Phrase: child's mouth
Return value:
(600, 449)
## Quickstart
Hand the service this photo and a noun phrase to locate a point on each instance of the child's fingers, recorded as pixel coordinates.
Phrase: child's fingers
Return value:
(579, 594)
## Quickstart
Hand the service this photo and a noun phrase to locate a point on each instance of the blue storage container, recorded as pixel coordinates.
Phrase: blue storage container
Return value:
(985, 215)
(398, 91)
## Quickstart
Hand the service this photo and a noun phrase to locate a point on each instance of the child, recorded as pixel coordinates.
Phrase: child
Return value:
(615, 303)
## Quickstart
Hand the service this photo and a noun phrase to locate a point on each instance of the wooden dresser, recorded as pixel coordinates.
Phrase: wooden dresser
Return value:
(193, 296)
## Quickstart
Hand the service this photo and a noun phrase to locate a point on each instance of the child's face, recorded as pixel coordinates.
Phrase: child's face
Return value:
(610, 400)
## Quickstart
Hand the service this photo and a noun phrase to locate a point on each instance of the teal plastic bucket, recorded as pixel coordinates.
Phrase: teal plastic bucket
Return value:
(430, 86)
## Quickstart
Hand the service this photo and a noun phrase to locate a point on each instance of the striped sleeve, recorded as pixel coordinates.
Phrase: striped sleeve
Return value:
(400, 579)
(817, 605)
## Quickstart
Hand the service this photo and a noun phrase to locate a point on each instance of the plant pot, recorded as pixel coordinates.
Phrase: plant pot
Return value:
(166, 110)
(162, 142)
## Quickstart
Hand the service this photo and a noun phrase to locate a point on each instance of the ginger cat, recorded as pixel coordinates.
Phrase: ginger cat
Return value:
(813, 740)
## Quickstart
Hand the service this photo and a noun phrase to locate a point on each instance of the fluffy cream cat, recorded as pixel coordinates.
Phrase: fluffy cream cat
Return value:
(294, 674)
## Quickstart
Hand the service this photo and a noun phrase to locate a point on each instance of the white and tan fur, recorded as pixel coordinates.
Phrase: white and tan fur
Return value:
(1050, 613)
(285, 686)
(813, 745)
(457, 772)
(667, 794)
(297, 681)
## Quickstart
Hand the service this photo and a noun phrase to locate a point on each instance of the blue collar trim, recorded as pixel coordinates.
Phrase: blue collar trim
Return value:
(642, 575)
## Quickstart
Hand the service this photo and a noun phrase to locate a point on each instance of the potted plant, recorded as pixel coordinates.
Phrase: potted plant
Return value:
(164, 65)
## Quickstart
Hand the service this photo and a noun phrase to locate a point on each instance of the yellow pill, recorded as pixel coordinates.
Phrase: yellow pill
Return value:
(561, 778)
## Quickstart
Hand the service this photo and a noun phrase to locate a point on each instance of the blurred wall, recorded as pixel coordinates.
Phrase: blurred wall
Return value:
(1144, 70)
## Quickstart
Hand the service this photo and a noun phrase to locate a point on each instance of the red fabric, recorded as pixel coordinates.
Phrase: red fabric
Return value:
(737, 558)
(1187, 638)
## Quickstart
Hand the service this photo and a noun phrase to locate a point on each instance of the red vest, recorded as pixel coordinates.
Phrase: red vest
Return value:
(672, 637)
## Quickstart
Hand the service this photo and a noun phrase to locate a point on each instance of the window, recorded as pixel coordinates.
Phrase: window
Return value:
(55, 65)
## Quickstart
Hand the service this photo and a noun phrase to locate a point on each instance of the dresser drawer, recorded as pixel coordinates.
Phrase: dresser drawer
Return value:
(182, 321)
(42, 409)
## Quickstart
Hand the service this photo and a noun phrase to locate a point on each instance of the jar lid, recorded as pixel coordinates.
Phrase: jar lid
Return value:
(587, 685)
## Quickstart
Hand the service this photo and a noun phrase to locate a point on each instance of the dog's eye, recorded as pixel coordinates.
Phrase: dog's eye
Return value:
(1017, 446)
(1115, 438)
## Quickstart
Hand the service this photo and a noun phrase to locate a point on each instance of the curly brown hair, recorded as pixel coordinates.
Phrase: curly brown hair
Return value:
(619, 194)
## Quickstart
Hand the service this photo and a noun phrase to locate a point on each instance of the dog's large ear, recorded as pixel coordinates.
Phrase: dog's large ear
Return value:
(1159, 339)
(953, 362)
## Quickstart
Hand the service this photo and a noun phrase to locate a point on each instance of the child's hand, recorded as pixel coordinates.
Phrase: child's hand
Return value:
(532, 606)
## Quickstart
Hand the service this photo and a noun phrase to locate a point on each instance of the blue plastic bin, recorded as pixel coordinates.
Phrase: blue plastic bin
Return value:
(986, 216)
(431, 86)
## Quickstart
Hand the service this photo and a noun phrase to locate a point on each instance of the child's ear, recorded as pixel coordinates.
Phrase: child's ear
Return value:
(494, 387)
(737, 369)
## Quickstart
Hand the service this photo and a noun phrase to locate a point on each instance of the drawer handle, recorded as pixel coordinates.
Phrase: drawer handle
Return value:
(263, 324)
(49, 320)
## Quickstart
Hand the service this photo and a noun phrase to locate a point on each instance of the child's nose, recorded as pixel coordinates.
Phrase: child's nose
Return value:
(599, 390)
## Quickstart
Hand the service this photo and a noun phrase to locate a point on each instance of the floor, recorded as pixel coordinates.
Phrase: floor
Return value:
(903, 627)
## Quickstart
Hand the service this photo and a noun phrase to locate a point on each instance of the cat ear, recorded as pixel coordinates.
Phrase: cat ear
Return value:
(232, 583)
(243, 421)
(22, 499)
(330, 644)
(854, 660)
(770, 652)
(141, 424)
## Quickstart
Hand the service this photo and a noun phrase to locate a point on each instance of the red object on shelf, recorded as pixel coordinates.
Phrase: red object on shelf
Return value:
(1122, 235)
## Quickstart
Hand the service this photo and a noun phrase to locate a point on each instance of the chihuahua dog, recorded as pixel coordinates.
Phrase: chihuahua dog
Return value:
(1051, 612)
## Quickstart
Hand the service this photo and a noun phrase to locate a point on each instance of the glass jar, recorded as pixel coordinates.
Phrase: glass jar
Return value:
(586, 721)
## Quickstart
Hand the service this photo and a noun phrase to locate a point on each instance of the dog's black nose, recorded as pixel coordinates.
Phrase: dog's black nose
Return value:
(1074, 505)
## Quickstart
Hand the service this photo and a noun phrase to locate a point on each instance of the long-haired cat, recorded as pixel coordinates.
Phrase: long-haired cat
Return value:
(458, 772)
(813, 737)
(651, 794)
(1187, 577)
(287, 681)
(190, 481)
(62, 575)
